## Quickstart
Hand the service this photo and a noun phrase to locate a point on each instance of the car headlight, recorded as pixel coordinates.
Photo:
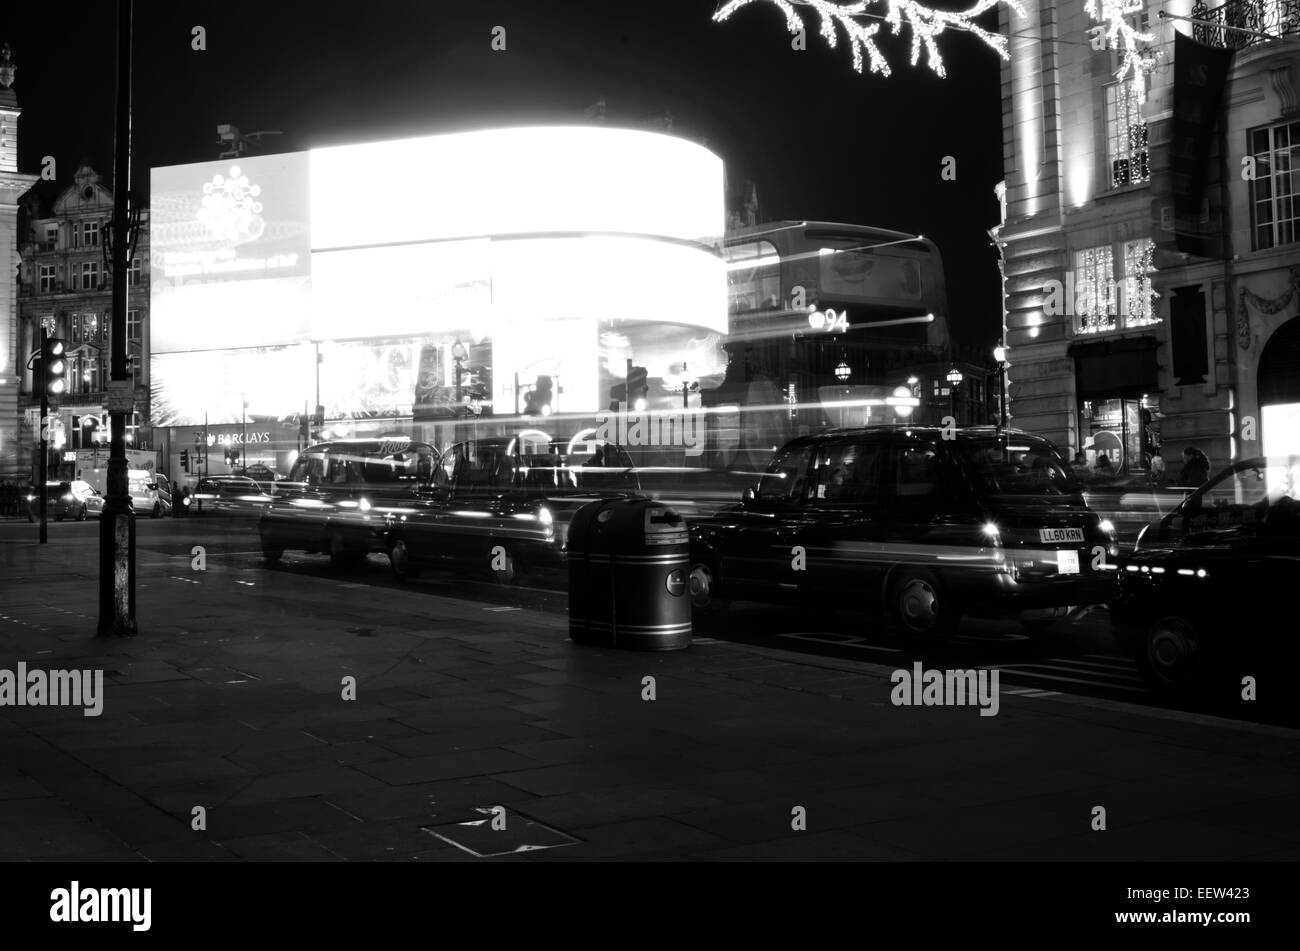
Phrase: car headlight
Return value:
(1107, 526)
(364, 505)
(68, 497)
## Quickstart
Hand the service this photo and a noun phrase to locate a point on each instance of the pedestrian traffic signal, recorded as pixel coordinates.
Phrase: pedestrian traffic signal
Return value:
(638, 387)
(540, 398)
(185, 459)
(54, 366)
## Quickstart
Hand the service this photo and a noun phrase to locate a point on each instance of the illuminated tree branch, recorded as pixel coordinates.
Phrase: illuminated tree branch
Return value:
(1121, 35)
(925, 24)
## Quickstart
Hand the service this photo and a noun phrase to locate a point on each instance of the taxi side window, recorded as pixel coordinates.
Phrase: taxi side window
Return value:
(917, 471)
(848, 474)
(309, 469)
(786, 479)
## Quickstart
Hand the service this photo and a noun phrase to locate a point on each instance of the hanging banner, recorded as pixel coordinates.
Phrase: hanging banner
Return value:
(1200, 75)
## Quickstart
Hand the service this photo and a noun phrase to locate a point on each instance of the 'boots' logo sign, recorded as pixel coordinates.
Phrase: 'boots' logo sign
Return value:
(684, 429)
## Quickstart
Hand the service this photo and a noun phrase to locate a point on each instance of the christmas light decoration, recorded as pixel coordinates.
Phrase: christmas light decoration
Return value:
(925, 23)
(1122, 35)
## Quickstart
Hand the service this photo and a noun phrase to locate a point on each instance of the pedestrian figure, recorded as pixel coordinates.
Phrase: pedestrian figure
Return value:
(1196, 467)
(1104, 468)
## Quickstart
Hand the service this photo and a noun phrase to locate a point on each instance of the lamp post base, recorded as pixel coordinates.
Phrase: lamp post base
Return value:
(117, 572)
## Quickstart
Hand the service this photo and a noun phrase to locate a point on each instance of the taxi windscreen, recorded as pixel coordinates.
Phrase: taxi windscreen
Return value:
(409, 464)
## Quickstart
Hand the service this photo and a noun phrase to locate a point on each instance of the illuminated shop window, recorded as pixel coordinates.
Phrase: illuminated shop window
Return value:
(1126, 134)
(1140, 299)
(1109, 299)
(1094, 270)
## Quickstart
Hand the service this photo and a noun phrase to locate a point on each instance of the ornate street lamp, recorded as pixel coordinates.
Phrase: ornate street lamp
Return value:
(843, 371)
(954, 380)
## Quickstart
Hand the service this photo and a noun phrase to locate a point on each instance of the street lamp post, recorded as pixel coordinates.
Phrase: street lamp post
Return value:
(116, 524)
(243, 427)
(954, 380)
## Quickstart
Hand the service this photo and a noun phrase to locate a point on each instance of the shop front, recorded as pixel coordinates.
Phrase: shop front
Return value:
(1119, 404)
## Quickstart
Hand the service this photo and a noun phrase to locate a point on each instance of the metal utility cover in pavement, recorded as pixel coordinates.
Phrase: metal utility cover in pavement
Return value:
(521, 834)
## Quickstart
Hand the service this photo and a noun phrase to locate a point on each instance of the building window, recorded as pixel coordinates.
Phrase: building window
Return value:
(1139, 298)
(49, 325)
(51, 237)
(1094, 270)
(1275, 190)
(86, 373)
(90, 234)
(1126, 134)
(89, 328)
(134, 272)
(1107, 299)
(89, 275)
(47, 278)
(133, 326)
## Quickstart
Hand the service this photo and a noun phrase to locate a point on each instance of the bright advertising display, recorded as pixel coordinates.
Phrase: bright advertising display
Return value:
(504, 256)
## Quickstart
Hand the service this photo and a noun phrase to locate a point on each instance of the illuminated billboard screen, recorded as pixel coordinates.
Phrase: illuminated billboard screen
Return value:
(522, 247)
(230, 253)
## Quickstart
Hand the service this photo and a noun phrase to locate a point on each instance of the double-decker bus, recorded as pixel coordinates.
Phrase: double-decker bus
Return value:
(827, 325)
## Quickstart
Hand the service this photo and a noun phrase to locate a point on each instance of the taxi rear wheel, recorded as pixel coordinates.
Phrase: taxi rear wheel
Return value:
(157, 510)
(702, 584)
(920, 605)
(1169, 656)
(81, 516)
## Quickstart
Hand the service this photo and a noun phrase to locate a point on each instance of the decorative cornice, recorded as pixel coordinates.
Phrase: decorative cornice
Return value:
(18, 180)
(1284, 86)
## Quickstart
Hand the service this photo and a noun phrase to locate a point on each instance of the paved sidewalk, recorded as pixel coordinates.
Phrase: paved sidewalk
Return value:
(231, 700)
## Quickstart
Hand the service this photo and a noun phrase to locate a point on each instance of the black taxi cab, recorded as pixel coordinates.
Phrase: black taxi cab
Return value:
(340, 497)
(922, 524)
(1204, 599)
(502, 505)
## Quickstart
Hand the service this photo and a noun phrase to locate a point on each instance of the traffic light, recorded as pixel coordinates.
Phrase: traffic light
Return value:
(185, 459)
(617, 396)
(540, 398)
(638, 387)
(54, 366)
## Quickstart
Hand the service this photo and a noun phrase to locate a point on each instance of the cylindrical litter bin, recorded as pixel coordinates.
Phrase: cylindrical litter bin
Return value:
(629, 566)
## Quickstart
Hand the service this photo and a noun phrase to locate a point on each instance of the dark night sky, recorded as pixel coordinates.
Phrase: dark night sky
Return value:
(821, 141)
